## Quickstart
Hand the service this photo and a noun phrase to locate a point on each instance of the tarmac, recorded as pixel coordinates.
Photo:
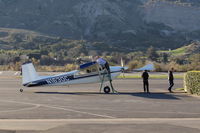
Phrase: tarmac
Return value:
(83, 109)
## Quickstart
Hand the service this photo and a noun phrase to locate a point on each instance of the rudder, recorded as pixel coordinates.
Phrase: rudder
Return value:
(29, 73)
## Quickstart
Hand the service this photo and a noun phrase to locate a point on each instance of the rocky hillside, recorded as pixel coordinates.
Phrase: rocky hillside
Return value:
(134, 24)
(181, 15)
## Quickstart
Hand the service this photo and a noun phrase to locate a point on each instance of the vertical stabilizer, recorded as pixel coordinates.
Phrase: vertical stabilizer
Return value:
(28, 73)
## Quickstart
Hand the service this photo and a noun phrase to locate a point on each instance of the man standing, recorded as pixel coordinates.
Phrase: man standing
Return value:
(171, 80)
(145, 77)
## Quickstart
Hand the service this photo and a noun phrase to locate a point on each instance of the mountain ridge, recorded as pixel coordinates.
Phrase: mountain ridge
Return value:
(134, 24)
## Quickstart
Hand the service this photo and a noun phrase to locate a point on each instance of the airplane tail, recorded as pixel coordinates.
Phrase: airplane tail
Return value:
(29, 73)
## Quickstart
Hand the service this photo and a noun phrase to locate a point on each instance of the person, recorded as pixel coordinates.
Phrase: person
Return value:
(171, 79)
(103, 63)
(21, 71)
(145, 77)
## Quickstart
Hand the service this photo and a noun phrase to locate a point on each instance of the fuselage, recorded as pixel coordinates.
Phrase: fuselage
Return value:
(74, 77)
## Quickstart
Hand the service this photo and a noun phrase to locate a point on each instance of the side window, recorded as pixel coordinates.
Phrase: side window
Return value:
(88, 71)
(89, 68)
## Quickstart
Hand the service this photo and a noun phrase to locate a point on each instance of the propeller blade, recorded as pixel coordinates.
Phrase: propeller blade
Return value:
(122, 65)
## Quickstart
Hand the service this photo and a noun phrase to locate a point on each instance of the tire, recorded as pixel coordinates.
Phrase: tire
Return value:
(21, 90)
(107, 90)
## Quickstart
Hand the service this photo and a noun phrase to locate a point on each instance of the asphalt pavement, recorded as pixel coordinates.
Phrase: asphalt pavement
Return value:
(83, 109)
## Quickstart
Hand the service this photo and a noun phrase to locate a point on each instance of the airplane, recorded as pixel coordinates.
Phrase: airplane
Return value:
(87, 73)
(148, 67)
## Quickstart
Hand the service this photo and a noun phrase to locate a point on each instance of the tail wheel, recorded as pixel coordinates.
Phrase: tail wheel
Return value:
(107, 89)
(21, 90)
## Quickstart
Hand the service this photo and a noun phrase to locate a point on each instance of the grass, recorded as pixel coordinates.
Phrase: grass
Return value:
(180, 89)
(179, 51)
(176, 52)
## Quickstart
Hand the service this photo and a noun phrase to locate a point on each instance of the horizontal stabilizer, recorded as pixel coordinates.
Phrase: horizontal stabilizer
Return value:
(148, 67)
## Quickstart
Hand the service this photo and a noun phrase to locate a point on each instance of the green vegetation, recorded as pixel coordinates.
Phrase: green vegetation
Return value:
(59, 54)
(179, 51)
(194, 47)
(176, 52)
(192, 82)
(180, 89)
(65, 56)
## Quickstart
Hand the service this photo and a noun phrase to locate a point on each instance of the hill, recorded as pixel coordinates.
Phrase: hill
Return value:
(193, 48)
(17, 39)
(24, 39)
(130, 24)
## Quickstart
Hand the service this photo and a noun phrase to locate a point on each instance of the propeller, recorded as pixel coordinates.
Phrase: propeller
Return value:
(122, 65)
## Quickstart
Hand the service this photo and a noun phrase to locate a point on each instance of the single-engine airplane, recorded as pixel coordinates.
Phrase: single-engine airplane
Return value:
(87, 73)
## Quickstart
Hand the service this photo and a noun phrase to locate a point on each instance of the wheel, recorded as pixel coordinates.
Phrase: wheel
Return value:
(107, 89)
(21, 90)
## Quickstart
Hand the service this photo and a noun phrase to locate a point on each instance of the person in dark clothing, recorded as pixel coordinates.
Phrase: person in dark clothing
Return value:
(171, 80)
(145, 77)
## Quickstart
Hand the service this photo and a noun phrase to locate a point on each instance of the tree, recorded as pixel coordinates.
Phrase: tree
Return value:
(164, 58)
(152, 54)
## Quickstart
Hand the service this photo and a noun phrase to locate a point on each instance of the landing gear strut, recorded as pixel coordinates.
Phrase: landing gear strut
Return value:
(107, 89)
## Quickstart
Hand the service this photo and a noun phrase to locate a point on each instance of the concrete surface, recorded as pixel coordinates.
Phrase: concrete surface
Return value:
(82, 109)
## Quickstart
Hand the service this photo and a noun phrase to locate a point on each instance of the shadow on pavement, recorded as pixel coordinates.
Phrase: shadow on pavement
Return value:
(153, 95)
(160, 95)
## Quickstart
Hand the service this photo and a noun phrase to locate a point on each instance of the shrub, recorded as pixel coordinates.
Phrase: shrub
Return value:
(192, 82)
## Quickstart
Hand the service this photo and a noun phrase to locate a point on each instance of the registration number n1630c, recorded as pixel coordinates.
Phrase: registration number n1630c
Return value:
(60, 79)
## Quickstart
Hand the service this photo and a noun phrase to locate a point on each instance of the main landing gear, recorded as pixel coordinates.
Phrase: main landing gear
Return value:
(107, 89)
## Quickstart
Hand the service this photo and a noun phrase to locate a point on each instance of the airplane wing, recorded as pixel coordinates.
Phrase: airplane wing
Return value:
(88, 65)
(148, 67)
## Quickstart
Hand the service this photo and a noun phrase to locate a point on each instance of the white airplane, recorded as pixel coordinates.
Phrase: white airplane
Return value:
(87, 73)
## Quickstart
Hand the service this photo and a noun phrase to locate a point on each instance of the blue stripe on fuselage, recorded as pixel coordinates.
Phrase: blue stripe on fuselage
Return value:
(58, 79)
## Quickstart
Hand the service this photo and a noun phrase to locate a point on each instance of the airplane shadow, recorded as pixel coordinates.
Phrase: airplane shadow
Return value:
(69, 93)
(152, 95)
